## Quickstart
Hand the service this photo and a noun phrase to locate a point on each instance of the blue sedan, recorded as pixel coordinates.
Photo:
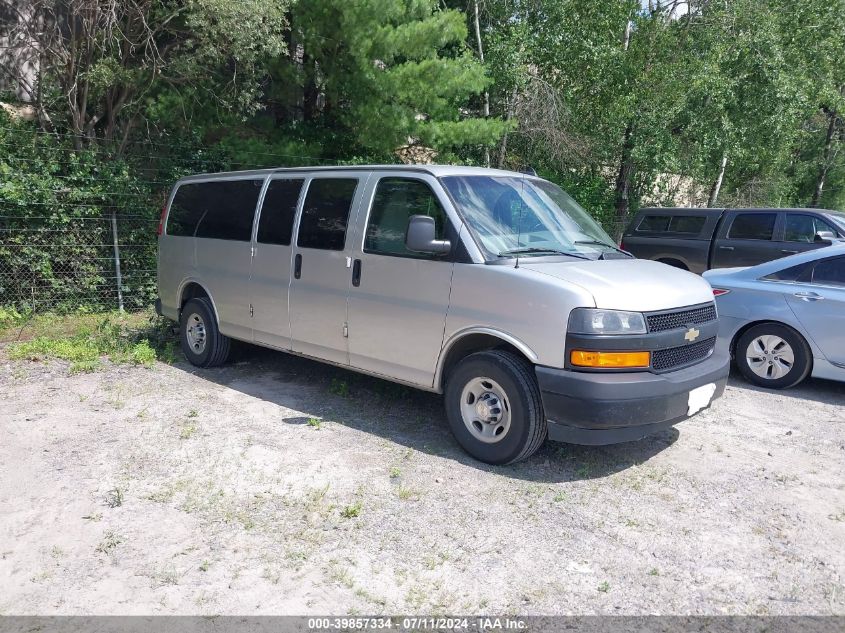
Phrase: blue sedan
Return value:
(784, 320)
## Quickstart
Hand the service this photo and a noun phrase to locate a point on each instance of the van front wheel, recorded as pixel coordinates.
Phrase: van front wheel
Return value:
(202, 342)
(494, 407)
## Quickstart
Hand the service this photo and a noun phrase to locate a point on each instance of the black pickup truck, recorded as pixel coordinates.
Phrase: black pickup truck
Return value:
(700, 239)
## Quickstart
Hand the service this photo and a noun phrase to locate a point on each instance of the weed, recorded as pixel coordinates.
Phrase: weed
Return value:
(205, 565)
(560, 496)
(187, 431)
(96, 517)
(339, 388)
(165, 576)
(350, 512)
(407, 493)
(584, 471)
(654, 571)
(395, 472)
(604, 587)
(193, 413)
(41, 576)
(109, 542)
(837, 517)
(314, 422)
(85, 367)
(114, 498)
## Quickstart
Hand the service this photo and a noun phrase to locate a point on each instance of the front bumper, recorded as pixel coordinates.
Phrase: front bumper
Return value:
(606, 408)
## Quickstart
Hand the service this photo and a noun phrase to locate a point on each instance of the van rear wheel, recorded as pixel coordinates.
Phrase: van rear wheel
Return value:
(494, 407)
(202, 342)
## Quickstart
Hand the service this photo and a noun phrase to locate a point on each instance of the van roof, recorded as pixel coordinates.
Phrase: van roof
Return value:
(433, 170)
(709, 210)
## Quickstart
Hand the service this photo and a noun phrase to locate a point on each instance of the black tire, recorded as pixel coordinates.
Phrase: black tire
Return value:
(802, 355)
(674, 263)
(215, 349)
(527, 428)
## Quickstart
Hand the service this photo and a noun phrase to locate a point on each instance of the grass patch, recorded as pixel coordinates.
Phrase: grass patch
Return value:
(85, 340)
(315, 423)
(350, 512)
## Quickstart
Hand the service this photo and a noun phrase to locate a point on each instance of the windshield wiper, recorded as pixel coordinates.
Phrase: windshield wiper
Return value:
(600, 243)
(540, 251)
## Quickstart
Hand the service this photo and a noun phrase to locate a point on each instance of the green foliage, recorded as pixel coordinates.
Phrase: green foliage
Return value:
(114, 336)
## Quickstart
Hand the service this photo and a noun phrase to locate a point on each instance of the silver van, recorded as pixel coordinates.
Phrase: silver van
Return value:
(492, 287)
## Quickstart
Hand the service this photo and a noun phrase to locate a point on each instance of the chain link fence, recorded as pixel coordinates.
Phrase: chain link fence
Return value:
(94, 263)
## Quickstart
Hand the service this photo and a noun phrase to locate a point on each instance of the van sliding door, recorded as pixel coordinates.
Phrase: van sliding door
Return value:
(321, 267)
(271, 262)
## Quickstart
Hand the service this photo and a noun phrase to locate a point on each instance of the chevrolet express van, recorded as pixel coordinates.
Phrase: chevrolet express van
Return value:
(491, 287)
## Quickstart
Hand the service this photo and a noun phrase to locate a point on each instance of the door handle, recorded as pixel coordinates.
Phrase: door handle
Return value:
(809, 296)
(297, 266)
(788, 252)
(726, 248)
(356, 273)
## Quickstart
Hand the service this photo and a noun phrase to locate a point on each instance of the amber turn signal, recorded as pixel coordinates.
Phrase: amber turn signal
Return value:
(609, 360)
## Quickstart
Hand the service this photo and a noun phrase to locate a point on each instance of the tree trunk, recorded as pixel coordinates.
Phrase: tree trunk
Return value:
(311, 92)
(828, 144)
(503, 146)
(717, 184)
(623, 182)
(486, 96)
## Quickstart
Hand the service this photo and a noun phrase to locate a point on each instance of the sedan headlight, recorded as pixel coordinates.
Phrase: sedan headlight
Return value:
(598, 321)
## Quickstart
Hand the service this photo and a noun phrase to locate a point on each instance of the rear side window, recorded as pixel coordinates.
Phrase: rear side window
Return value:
(275, 225)
(830, 272)
(220, 209)
(687, 224)
(654, 224)
(691, 224)
(799, 273)
(325, 213)
(395, 201)
(753, 226)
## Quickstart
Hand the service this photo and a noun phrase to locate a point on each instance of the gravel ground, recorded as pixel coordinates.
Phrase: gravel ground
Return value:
(278, 485)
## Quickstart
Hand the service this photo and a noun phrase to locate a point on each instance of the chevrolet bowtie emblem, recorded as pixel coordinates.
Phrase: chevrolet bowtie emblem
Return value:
(691, 334)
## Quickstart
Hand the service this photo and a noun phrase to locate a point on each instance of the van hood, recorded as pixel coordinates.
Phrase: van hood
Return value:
(631, 284)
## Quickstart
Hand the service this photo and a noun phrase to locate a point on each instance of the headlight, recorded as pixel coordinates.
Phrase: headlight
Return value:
(597, 321)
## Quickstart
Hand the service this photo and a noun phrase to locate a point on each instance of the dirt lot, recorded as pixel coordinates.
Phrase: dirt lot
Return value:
(276, 485)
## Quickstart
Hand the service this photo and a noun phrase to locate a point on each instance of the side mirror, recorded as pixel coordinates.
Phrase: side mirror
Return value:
(823, 237)
(422, 238)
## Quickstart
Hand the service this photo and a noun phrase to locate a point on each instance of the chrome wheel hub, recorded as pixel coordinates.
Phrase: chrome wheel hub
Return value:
(770, 357)
(195, 333)
(485, 410)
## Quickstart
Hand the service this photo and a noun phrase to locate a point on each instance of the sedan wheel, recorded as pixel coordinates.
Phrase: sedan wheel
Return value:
(773, 355)
(770, 357)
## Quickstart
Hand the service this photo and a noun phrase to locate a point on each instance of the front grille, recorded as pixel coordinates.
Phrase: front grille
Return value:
(671, 320)
(664, 359)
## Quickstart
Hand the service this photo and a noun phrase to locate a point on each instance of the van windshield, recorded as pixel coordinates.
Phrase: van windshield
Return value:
(511, 216)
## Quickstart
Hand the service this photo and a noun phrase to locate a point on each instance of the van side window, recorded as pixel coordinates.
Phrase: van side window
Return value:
(326, 213)
(654, 224)
(219, 209)
(395, 201)
(275, 226)
(185, 211)
(803, 228)
(753, 226)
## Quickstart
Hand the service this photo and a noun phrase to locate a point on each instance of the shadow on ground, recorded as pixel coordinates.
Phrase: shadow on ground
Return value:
(815, 389)
(404, 415)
